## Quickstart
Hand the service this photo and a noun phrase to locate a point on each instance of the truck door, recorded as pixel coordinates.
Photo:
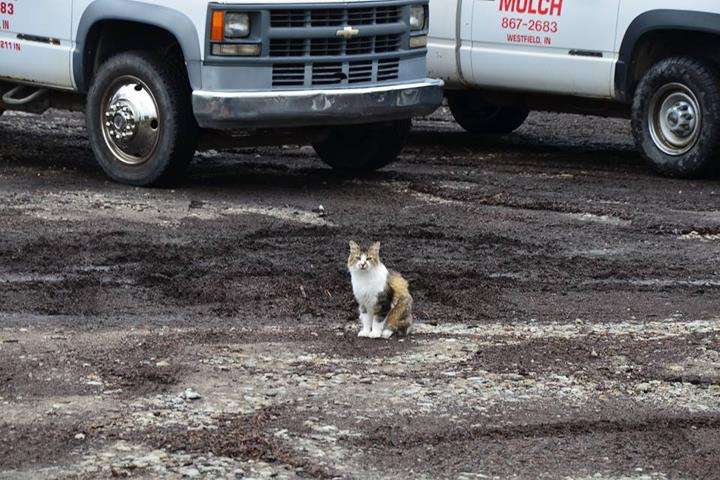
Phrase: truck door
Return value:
(35, 41)
(558, 46)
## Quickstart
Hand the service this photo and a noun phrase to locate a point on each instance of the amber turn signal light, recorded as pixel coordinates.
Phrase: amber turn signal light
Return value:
(217, 26)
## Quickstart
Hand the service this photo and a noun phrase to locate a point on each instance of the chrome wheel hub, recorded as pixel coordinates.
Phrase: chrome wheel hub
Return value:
(130, 121)
(121, 123)
(675, 119)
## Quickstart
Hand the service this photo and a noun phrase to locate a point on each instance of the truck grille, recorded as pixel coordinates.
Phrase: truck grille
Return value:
(306, 50)
(289, 75)
(325, 47)
(336, 73)
(335, 17)
(388, 69)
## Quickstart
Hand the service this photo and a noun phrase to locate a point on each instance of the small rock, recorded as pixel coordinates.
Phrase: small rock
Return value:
(162, 363)
(80, 436)
(190, 472)
(643, 387)
(191, 394)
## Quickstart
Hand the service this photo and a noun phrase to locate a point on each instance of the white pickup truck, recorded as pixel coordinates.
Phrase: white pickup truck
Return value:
(654, 60)
(152, 76)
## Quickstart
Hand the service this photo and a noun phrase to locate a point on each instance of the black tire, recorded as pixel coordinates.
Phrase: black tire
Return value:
(359, 149)
(175, 132)
(477, 116)
(678, 78)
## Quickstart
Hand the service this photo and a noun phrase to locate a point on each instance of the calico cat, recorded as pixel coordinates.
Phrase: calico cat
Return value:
(382, 295)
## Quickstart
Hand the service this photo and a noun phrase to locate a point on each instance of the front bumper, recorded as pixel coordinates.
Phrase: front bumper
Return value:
(227, 110)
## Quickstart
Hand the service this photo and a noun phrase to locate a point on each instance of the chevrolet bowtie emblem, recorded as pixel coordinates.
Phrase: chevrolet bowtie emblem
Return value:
(348, 33)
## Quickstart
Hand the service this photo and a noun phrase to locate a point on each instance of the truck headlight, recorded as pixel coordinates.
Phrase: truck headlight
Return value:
(237, 25)
(418, 17)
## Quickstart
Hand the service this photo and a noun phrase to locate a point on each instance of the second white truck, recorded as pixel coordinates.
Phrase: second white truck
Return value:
(155, 76)
(654, 60)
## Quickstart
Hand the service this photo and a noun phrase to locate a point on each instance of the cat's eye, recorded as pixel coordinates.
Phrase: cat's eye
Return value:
(369, 259)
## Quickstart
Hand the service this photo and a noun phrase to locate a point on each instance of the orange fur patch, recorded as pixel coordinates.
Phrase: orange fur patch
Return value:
(399, 318)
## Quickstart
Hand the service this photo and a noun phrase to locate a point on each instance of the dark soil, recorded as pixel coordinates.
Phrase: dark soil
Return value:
(559, 223)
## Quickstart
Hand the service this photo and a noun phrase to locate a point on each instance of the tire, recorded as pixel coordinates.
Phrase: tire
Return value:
(477, 116)
(146, 100)
(359, 149)
(676, 117)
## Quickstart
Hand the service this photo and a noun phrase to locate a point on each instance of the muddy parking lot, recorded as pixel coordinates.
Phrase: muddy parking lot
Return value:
(568, 304)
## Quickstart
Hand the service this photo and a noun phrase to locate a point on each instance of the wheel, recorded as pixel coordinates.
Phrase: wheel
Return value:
(139, 119)
(477, 116)
(363, 148)
(676, 117)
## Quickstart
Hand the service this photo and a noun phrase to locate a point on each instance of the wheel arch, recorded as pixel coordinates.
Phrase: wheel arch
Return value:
(653, 22)
(165, 19)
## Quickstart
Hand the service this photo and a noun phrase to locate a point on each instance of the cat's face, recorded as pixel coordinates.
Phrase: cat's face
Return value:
(361, 260)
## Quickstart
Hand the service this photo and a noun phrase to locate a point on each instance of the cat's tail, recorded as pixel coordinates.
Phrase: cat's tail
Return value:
(400, 318)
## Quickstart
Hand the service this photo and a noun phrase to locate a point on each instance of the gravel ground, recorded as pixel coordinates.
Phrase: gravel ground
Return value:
(567, 302)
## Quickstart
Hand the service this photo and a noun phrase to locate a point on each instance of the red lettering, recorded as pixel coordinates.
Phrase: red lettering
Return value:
(533, 7)
(7, 8)
(507, 5)
(514, 38)
(5, 45)
(542, 9)
(556, 7)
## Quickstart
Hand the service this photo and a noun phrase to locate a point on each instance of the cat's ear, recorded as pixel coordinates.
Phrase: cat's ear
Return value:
(375, 249)
(354, 247)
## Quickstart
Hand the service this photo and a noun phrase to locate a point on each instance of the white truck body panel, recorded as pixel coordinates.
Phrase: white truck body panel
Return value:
(516, 55)
(45, 63)
(496, 44)
(568, 47)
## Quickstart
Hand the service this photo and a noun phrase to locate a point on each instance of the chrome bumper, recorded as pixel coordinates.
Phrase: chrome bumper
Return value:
(219, 110)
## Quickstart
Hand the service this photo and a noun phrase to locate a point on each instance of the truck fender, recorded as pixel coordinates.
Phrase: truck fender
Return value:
(650, 21)
(154, 15)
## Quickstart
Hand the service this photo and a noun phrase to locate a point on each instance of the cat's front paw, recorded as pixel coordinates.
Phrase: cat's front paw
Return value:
(364, 333)
(387, 333)
(375, 334)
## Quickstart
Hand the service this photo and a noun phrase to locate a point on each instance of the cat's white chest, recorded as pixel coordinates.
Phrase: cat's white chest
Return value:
(368, 285)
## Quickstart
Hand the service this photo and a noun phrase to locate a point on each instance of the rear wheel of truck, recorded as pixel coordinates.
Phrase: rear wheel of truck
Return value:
(139, 119)
(358, 149)
(676, 117)
(477, 116)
